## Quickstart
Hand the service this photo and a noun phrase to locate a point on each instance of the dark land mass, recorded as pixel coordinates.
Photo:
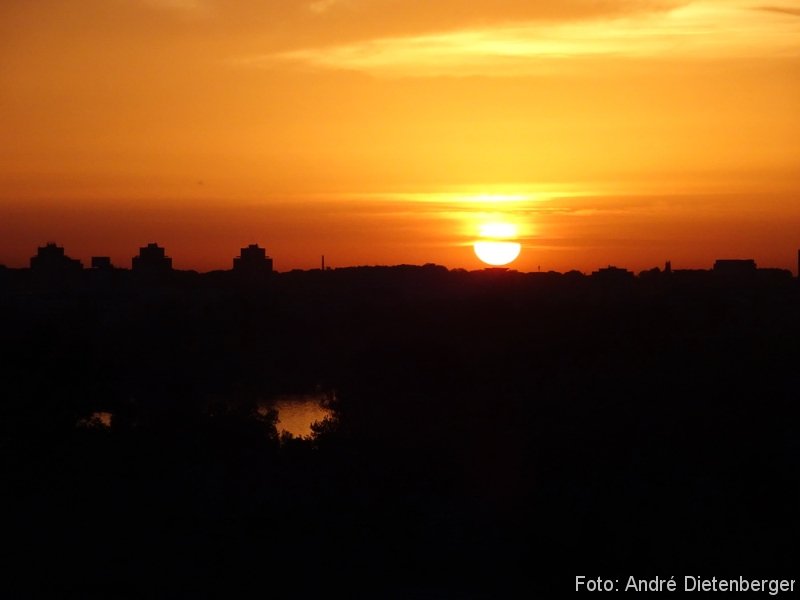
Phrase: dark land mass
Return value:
(492, 429)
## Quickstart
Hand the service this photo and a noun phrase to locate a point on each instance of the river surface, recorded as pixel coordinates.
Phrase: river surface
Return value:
(297, 412)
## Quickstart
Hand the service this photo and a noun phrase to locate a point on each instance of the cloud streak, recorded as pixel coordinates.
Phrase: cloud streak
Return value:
(705, 30)
(293, 24)
(323, 6)
(195, 7)
(781, 9)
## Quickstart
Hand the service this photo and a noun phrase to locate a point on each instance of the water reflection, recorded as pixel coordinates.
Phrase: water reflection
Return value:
(297, 412)
(99, 419)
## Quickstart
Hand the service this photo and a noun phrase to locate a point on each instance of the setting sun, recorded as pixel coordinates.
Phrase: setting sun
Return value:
(497, 247)
(497, 253)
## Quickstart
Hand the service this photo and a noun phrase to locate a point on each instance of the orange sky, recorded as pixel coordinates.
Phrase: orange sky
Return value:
(389, 131)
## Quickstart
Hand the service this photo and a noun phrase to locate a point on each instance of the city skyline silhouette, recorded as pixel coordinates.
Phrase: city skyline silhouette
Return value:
(253, 258)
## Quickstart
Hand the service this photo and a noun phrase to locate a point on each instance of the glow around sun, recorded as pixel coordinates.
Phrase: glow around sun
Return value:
(497, 246)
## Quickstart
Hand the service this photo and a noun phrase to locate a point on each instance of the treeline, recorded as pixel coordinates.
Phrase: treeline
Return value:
(491, 429)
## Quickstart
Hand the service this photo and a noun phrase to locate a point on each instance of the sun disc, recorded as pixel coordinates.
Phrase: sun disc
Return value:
(497, 253)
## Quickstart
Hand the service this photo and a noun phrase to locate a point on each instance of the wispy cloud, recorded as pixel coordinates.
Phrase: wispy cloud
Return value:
(186, 7)
(323, 6)
(781, 9)
(708, 29)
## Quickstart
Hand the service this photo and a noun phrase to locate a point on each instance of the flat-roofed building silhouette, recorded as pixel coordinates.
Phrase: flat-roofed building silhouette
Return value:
(613, 274)
(152, 259)
(252, 259)
(734, 271)
(51, 258)
(101, 263)
(736, 266)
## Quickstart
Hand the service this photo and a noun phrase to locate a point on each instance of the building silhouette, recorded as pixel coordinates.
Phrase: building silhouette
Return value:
(252, 259)
(152, 259)
(735, 270)
(101, 263)
(611, 274)
(50, 258)
(735, 266)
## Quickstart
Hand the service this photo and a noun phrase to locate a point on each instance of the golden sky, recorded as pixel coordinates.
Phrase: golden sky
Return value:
(391, 131)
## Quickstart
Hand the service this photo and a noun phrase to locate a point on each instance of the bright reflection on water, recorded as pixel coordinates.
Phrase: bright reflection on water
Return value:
(297, 412)
(98, 419)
